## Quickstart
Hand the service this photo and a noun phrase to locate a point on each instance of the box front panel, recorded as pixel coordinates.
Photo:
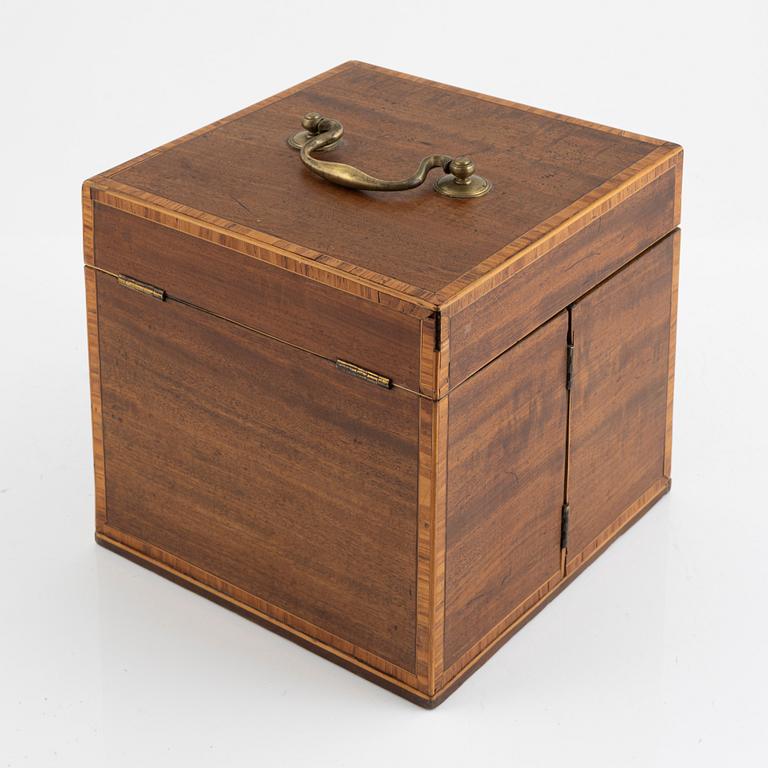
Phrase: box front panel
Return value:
(619, 399)
(506, 474)
(264, 466)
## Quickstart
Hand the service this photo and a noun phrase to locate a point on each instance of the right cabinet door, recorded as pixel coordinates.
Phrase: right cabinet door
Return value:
(620, 400)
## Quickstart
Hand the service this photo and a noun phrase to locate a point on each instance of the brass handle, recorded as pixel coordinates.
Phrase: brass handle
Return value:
(322, 134)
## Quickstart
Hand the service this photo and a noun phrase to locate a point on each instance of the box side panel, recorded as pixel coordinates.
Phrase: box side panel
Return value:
(284, 304)
(506, 471)
(539, 289)
(619, 395)
(264, 472)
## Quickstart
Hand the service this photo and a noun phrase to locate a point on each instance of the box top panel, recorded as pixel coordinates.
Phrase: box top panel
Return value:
(241, 174)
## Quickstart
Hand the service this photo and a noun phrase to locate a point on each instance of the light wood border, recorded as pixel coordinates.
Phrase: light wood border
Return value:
(97, 427)
(219, 232)
(678, 188)
(672, 345)
(575, 562)
(265, 610)
(88, 231)
(535, 244)
(476, 649)
(424, 547)
(433, 439)
(440, 506)
(94, 362)
(453, 297)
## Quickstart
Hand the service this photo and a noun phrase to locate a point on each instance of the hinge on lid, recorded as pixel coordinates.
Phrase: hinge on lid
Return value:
(564, 520)
(138, 285)
(364, 373)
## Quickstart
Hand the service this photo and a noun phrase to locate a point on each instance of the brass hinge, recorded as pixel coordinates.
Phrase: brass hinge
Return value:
(564, 521)
(364, 373)
(569, 366)
(137, 285)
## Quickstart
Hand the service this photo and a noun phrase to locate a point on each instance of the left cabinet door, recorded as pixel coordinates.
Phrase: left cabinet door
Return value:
(261, 470)
(505, 487)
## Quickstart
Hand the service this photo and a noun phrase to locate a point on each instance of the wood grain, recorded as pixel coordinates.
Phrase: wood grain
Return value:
(280, 475)
(540, 289)
(96, 399)
(618, 416)
(299, 311)
(240, 113)
(508, 103)
(541, 165)
(506, 464)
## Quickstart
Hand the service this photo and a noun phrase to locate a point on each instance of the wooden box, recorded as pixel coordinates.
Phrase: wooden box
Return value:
(388, 424)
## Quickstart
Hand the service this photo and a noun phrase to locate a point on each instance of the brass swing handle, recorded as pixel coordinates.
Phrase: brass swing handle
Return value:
(322, 134)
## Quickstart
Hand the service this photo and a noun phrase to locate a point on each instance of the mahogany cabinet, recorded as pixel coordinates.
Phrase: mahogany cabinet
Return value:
(389, 421)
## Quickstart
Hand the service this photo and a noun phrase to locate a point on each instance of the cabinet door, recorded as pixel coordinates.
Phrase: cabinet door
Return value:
(620, 398)
(505, 472)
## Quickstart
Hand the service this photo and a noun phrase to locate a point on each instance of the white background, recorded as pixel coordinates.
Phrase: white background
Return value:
(656, 656)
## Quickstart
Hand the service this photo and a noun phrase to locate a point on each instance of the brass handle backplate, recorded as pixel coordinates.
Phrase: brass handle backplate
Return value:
(323, 134)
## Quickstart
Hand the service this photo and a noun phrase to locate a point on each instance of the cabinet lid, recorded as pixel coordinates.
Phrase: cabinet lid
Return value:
(240, 178)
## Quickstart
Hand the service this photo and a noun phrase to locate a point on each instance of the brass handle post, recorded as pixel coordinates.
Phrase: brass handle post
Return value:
(323, 134)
